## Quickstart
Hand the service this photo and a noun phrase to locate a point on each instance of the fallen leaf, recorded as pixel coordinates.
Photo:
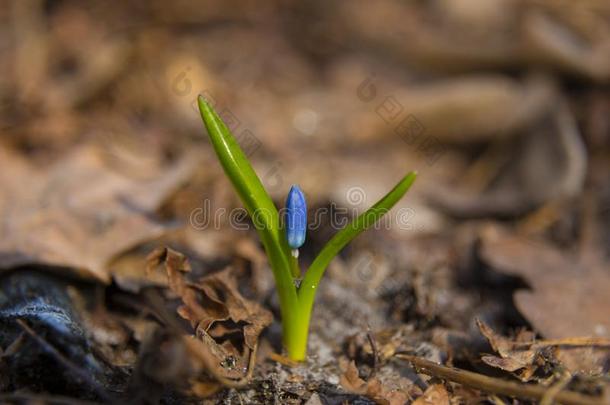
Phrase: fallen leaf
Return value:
(78, 213)
(477, 108)
(555, 42)
(373, 388)
(351, 381)
(548, 164)
(435, 394)
(567, 298)
(217, 312)
(468, 36)
(513, 357)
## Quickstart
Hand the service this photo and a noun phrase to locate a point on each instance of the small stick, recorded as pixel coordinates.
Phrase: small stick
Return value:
(496, 385)
(155, 300)
(371, 339)
(278, 358)
(568, 342)
(551, 393)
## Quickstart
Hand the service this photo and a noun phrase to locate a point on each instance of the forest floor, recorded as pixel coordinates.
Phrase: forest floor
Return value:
(129, 273)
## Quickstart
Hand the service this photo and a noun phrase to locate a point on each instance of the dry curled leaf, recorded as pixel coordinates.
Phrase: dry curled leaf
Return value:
(225, 324)
(479, 107)
(373, 388)
(513, 358)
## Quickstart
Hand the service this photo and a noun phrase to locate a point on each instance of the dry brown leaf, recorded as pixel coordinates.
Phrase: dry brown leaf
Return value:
(373, 388)
(567, 298)
(451, 35)
(351, 381)
(513, 357)
(78, 213)
(554, 42)
(479, 107)
(216, 311)
(435, 394)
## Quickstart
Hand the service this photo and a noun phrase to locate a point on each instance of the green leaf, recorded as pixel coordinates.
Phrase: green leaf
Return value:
(255, 198)
(295, 305)
(238, 169)
(344, 236)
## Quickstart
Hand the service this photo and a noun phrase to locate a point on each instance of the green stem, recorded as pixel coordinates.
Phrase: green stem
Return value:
(294, 267)
(294, 332)
(295, 335)
(287, 293)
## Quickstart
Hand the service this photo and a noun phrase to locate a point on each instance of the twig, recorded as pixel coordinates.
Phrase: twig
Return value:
(497, 400)
(198, 348)
(568, 342)
(495, 385)
(278, 358)
(13, 347)
(195, 346)
(371, 339)
(551, 393)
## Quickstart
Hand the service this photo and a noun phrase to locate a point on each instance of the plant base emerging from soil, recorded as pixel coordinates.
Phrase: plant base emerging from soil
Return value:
(296, 303)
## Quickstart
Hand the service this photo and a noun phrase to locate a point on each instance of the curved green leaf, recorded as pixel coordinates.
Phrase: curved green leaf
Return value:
(237, 167)
(343, 237)
(295, 305)
(255, 198)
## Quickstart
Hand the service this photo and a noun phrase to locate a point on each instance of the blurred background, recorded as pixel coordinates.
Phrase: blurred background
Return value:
(329, 95)
(502, 106)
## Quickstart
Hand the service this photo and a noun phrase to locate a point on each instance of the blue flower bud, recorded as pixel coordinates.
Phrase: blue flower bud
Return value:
(296, 218)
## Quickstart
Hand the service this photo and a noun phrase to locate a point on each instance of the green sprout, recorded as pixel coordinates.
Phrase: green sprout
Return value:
(296, 300)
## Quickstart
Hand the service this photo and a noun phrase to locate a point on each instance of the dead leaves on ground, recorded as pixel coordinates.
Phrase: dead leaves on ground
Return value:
(373, 388)
(513, 177)
(386, 392)
(436, 394)
(79, 212)
(529, 359)
(226, 326)
(571, 37)
(513, 357)
(562, 287)
(568, 302)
